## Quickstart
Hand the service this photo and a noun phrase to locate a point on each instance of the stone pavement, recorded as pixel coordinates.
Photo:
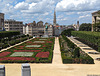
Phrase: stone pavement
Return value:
(57, 54)
(56, 68)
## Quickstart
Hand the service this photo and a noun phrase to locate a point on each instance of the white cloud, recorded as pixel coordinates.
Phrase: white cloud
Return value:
(70, 13)
(35, 1)
(21, 6)
(32, 5)
(84, 16)
(40, 7)
(78, 5)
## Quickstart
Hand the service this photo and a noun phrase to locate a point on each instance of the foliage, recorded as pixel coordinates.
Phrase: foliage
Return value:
(67, 32)
(85, 27)
(4, 34)
(74, 54)
(96, 27)
(77, 52)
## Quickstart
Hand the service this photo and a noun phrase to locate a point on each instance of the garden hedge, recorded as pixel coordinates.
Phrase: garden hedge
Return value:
(80, 58)
(89, 37)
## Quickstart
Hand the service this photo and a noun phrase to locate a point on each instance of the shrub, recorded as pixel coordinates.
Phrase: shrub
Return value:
(77, 52)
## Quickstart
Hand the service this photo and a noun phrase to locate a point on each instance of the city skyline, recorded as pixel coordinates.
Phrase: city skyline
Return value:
(67, 12)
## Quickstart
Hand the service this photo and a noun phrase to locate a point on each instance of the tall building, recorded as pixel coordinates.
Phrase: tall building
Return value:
(13, 25)
(1, 21)
(54, 21)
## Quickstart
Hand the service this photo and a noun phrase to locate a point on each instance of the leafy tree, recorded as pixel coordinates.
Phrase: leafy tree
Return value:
(67, 32)
(85, 27)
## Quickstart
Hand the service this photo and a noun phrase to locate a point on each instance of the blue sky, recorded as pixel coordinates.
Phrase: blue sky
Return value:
(68, 11)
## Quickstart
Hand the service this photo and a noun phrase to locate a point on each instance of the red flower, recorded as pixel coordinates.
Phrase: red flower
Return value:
(17, 58)
(43, 54)
(4, 54)
(21, 46)
(27, 50)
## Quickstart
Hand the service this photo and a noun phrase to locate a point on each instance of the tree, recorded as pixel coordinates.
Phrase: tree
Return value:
(85, 27)
(67, 32)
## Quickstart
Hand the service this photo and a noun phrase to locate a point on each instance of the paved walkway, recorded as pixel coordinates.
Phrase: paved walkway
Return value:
(57, 54)
(56, 69)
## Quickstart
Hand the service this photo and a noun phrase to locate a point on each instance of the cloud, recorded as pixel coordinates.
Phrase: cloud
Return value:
(78, 5)
(84, 16)
(22, 6)
(42, 6)
(35, 1)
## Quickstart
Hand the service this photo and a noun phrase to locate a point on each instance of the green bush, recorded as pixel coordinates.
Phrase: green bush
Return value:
(73, 54)
(89, 37)
(77, 52)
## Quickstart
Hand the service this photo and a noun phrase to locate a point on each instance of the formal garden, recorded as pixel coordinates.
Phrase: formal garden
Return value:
(71, 53)
(37, 50)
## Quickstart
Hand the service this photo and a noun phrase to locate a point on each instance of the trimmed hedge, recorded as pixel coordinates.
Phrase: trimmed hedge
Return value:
(78, 60)
(4, 34)
(89, 37)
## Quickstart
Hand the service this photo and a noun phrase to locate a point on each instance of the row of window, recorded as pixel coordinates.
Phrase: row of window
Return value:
(14, 25)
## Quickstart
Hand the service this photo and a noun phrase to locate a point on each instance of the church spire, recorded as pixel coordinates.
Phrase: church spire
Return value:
(54, 21)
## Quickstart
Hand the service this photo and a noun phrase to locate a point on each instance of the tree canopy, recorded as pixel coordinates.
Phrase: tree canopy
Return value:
(85, 27)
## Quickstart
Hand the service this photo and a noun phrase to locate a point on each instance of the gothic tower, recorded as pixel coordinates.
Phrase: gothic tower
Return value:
(54, 21)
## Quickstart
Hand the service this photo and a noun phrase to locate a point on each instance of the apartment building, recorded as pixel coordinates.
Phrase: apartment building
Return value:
(13, 25)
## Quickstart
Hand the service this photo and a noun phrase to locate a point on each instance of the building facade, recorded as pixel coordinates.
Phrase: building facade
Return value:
(1, 21)
(13, 25)
(38, 30)
(95, 18)
(34, 29)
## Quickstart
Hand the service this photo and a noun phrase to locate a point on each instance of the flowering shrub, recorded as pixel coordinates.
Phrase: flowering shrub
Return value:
(43, 55)
(4, 54)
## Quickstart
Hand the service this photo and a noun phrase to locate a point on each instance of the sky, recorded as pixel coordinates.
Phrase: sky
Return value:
(67, 11)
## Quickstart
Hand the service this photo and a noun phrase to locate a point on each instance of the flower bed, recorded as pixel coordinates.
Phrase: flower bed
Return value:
(38, 50)
(4, 54)
(27, 50)
(17, 58)
(43, 55)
